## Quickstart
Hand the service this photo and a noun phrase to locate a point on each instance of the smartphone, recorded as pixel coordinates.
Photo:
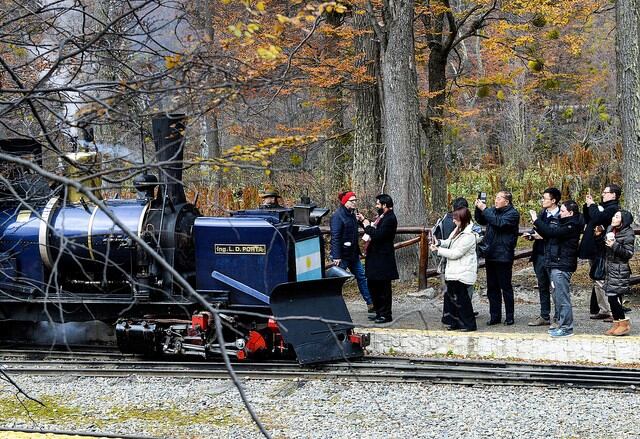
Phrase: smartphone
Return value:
(482, 196)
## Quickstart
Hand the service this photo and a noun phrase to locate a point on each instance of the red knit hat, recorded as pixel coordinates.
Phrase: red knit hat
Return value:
(346, 197)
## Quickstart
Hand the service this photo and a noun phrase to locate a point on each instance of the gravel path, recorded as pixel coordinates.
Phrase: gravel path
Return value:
(182, 408)
(413, 310)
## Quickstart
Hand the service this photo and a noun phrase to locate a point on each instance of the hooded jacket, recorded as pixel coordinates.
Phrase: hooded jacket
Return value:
(561, 239)
(460, 253)
(593, 217)
(617, 257)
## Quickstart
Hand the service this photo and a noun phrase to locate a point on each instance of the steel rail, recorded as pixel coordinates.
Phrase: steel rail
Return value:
(371, 370)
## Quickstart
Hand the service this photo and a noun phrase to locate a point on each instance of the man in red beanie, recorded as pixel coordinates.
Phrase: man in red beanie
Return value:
(345, 251)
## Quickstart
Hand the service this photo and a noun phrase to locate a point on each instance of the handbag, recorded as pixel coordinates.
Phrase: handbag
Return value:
(598, 269)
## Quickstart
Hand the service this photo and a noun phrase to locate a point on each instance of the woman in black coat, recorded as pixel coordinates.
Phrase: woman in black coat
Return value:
(619, 247)
(380, 260)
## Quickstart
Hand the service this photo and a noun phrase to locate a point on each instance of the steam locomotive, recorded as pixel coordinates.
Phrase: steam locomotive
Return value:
(253, 284)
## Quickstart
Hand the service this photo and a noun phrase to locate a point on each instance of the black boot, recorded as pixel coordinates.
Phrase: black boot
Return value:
(593, 307)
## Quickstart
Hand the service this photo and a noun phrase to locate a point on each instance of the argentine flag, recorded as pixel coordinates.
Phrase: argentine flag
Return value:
(308, 264)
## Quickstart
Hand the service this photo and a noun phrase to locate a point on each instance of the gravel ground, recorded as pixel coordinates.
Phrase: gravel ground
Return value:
(181, 408)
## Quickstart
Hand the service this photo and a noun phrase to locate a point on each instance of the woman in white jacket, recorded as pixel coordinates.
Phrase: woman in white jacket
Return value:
(461, 270)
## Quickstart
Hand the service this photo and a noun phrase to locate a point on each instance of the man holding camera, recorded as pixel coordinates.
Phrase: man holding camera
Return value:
(550, 211)
(598, 215)
(498, 250)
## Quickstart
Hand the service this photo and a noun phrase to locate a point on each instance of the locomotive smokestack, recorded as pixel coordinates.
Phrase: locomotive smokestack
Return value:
(169, 142)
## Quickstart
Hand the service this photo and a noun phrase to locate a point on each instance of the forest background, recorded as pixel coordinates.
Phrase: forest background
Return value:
(425, 100)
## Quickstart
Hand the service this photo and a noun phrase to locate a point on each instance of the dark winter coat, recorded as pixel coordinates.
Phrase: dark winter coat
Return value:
(380, 262)
(344, 235)
(618, 273)
(561, 240)
(538, 244)
(445, 227)
(592, 218)
(501, 233)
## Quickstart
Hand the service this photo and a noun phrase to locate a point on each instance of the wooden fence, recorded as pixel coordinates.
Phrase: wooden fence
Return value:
(423, 238)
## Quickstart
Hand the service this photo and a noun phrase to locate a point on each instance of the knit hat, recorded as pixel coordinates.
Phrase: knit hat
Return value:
(346, 197)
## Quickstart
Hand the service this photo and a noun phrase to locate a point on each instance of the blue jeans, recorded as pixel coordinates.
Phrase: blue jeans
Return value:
(560, 283)
(542, 274)
(356, 268)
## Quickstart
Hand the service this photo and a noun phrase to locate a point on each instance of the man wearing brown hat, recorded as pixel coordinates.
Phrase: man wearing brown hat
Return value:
(345, 251)
(269, 199)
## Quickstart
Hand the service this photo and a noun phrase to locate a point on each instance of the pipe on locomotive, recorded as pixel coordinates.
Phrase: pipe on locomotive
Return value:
(168, 137)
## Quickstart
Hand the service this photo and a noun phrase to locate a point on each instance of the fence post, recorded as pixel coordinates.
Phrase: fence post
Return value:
(424, 259)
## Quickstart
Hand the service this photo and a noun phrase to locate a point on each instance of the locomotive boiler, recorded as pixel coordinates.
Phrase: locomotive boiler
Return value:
(260, 274)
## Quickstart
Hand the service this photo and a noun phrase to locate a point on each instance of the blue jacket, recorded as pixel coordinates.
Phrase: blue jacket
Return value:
(344, 235)
(561, 239)
(502, 232)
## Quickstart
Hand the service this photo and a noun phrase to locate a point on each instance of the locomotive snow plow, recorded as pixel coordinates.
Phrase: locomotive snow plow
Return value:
(314, 319)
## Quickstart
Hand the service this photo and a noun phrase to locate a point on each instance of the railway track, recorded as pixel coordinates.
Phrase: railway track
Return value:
(370, 369)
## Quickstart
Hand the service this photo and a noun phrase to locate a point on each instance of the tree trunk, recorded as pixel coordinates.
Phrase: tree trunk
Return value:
(368, 161)
(401, 125)
(334, 157)
(335, 162)
(628, 82)
(212, 136)
(433, 129)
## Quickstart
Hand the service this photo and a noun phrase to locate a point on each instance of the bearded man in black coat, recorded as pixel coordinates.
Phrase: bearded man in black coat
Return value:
(380, 259)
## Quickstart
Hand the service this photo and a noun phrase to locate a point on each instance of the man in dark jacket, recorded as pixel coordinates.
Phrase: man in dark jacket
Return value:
(380, 259)
(562, 236)
(499, 244)
(598, 215)
(345, 251)
(550, 210)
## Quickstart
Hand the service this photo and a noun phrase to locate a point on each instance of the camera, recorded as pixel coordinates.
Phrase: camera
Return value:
(482, 196)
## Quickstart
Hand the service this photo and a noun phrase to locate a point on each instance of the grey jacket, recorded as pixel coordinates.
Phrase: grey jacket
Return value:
(617, 257)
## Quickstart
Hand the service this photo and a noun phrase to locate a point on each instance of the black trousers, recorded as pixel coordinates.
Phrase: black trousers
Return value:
(616, 307)
(458, 302)
(381, 295)
(499, 287)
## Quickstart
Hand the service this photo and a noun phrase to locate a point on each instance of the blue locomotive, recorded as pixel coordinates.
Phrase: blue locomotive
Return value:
(260, 272)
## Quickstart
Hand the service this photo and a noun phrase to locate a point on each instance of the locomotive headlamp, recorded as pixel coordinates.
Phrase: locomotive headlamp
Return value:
(307, 213)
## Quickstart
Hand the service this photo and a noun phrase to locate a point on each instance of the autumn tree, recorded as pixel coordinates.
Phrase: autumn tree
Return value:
(368, 158)
(628, 75)
(403, 178)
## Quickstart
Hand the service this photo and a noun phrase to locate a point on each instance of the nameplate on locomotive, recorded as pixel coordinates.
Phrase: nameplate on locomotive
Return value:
(240, 249)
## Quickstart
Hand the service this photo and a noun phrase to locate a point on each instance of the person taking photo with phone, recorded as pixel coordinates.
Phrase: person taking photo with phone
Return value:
(598, 215)
(498, 249)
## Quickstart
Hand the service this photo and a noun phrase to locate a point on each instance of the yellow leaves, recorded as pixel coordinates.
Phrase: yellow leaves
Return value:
(282, 19)
(172, 61)
(500, 95)
(575, 43)
(260, 6)
(262, 152)
(269, 53)
(235, 29)
(536, 65)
